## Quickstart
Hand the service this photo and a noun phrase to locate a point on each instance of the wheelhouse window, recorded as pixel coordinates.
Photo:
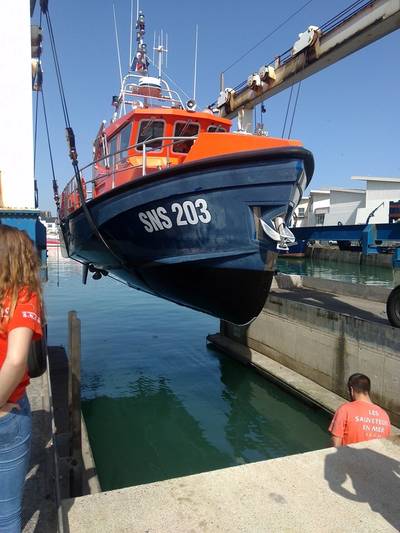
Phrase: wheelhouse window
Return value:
(150, 129)
(124, 140)
(185, 129)
(216, 129)
(112, 148)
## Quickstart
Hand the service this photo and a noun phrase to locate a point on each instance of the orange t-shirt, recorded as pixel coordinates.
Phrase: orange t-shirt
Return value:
(359, 421)
(27, 315)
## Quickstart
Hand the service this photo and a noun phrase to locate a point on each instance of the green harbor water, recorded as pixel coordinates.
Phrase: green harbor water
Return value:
(348, 272)
(158, 402)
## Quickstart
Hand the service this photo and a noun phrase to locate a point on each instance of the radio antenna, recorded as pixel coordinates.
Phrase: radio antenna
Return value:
(117, 41)
(166, 50)
(154, 47)
(195, 62)
(130, 36)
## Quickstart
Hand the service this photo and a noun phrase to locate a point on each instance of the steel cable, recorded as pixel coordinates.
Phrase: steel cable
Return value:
(55, 185)
(287, 111)
(268, 35)
(294, 109)
(327, 26)
(71, 139)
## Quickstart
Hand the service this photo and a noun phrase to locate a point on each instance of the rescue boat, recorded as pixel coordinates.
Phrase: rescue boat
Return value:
(178, 205)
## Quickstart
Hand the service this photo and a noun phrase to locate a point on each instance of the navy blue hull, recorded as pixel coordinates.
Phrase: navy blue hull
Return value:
(192, 234)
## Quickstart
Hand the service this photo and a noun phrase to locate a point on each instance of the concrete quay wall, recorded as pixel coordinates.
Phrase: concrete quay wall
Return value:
(326, 347)
(374, 293)
(345, 256)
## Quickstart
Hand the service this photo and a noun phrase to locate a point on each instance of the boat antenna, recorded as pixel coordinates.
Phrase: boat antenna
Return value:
(161, 49)
(130, 35)
(166, 50)
(140, 62)
(195, 62)
(117, 41)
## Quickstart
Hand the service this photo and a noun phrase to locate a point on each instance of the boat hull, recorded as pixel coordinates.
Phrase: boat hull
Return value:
(192, 234)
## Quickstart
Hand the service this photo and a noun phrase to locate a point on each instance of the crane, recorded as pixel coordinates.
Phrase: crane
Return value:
(359, 25)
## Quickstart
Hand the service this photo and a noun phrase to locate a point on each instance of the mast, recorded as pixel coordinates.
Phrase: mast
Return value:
(140, 62)
(138, 85)
(161, 48)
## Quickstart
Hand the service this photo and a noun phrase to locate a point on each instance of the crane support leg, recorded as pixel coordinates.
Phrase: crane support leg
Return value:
(368, 239)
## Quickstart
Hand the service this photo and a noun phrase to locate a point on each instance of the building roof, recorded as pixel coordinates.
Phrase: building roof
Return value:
(355, 191)
(372, 178)
(320, 191)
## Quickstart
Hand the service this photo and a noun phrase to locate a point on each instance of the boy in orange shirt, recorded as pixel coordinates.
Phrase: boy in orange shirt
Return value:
(360, 419)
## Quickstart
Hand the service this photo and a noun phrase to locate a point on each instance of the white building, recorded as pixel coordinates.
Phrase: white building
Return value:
(301, 212)
(329, 207)
(318, 207)
(379, 193)
(344, 205)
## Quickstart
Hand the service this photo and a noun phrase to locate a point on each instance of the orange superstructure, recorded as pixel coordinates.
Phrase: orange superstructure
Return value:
(168, 137)
(147, 140)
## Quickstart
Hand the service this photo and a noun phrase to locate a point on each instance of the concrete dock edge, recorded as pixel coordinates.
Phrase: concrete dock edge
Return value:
(330, 490)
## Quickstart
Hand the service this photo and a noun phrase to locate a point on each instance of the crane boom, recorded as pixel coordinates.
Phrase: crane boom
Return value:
(373, 20)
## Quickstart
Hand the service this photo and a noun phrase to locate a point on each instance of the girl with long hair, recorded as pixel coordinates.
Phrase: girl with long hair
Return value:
(20, 323)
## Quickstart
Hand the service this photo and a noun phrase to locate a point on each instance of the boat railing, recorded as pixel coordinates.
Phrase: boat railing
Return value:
(70, 198)
(132, 93)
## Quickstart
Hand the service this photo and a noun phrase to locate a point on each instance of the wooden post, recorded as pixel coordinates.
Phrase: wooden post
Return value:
(74, 401)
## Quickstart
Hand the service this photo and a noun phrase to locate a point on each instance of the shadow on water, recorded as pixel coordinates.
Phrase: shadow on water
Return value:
(375, 479)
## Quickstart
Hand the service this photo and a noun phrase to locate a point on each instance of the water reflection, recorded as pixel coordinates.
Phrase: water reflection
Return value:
(158, 402)
(348, 272)
(147, 436)
(164, 427)
(56, 261)
(264, 421)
